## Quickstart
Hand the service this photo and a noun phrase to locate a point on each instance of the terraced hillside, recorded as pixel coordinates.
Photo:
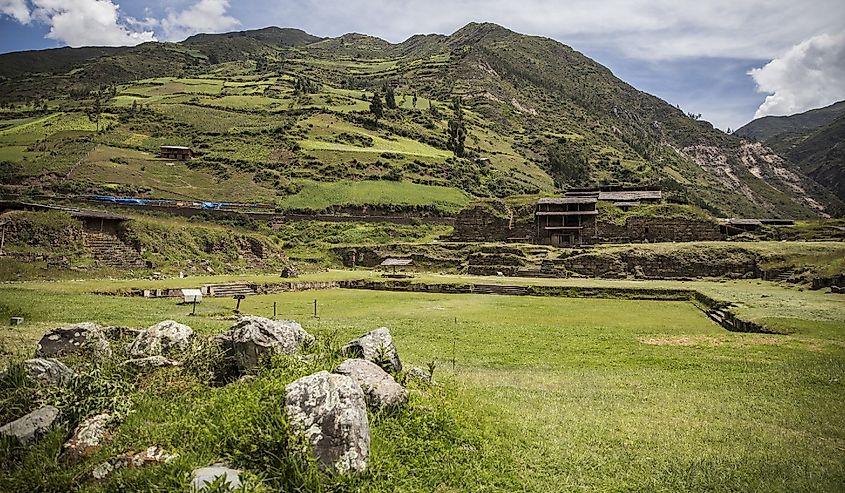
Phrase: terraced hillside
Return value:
(282, 117)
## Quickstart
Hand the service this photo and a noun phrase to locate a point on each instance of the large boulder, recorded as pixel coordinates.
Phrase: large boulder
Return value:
(330, 412)
(162, 338)
(202, 477)
(70, 339)
(48, 370)
(88, 437)
(255, 338)
(32, 426)
(380, 389)
(376, 346)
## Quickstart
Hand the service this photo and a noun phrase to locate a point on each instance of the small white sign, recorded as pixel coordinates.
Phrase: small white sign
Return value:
(192, 295)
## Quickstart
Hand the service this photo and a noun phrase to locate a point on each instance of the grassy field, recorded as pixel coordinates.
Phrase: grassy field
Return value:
(320, 195)
(536, 394)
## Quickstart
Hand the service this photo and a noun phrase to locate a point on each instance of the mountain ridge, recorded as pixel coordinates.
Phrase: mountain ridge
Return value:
(543, 115)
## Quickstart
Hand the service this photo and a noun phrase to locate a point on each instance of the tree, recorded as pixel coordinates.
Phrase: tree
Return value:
(376, 107)
(414, 101)
(568, 162)
(389, 97)
(457, 132)
(95, 111)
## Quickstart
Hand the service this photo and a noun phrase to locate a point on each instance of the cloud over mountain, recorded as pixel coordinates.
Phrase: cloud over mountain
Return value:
(809, 75)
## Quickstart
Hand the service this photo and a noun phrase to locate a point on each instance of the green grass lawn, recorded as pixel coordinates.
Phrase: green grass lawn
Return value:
(536, 394)
(320, 195)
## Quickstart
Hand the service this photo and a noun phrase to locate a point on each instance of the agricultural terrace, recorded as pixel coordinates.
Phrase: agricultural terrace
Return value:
(534, 393)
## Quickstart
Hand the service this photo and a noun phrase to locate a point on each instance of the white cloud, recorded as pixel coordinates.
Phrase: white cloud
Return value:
(17, 9)
(809, 75)
(205, 16)
(87, 23)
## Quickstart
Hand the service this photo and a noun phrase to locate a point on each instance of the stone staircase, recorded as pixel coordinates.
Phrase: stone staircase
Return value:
(228, 290)
(108, 250)
(500, 289)
(722, 316)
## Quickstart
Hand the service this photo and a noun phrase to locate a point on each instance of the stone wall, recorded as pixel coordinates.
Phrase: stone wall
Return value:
(491, 221)
(659, 229)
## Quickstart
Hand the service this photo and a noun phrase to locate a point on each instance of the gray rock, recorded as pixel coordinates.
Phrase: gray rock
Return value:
(376, 346)
(162, 338)
(380, 389)
(84, 337)
(48, 370)
(88, 437)
(151, 362)
(330, 412)
(149, 456)
(417, 373)
(254, 338)
(202, 477)
(32, 426)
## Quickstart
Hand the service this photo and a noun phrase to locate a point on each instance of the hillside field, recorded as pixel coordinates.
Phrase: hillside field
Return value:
(624, 395)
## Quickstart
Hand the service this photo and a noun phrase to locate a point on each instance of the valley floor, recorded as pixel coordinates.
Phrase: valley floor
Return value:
(535, 393)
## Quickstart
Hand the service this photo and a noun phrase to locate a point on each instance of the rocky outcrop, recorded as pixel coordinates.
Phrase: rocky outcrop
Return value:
(329, 410)
(49, 371)
(202, 477)
(31, 427)
(376, 346)
(380, 389)
(163, 338)
(255, 338)
(70, 339)
(88, 437)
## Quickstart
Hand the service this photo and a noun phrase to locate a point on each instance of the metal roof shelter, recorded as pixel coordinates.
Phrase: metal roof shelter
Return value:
(567, 200)
(630, 195)
(396, 262)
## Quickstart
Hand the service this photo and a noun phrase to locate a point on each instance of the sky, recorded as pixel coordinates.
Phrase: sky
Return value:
(729, 60)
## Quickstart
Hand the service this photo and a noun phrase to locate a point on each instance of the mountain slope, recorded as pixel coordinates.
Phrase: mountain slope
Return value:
(767, 127)
(281, 116)
(814, 141)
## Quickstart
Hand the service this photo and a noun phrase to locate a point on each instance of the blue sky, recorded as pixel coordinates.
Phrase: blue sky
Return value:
(729, 60)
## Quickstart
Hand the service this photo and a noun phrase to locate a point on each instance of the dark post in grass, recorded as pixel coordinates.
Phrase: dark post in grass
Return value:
(274, 310)
(194, 309)
(315, 309)
(238, 297)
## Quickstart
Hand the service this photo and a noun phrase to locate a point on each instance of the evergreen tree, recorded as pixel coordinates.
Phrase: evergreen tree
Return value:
(457, 132)
(389, 97)
(376, 107)
(414, 101)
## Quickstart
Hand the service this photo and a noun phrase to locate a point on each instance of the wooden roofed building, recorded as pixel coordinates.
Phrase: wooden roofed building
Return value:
(566, 221)
(179, 153)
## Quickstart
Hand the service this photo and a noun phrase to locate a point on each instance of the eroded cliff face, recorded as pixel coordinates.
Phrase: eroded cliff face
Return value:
(761, 176)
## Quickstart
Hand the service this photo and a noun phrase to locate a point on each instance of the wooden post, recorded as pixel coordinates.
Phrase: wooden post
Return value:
(315, 309)
(194, 311)
(274, 310)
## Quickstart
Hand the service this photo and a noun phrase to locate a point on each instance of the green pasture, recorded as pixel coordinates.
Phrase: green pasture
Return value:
(321, 195)
(534, 394)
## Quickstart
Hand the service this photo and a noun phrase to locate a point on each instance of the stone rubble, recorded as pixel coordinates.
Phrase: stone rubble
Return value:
(31, 427)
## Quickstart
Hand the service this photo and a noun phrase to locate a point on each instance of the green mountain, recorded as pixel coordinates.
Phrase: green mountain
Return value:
(283, 117)
(814, 141)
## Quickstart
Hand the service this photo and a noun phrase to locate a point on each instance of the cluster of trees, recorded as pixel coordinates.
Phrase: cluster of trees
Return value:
(303, 85)
(568, 162)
